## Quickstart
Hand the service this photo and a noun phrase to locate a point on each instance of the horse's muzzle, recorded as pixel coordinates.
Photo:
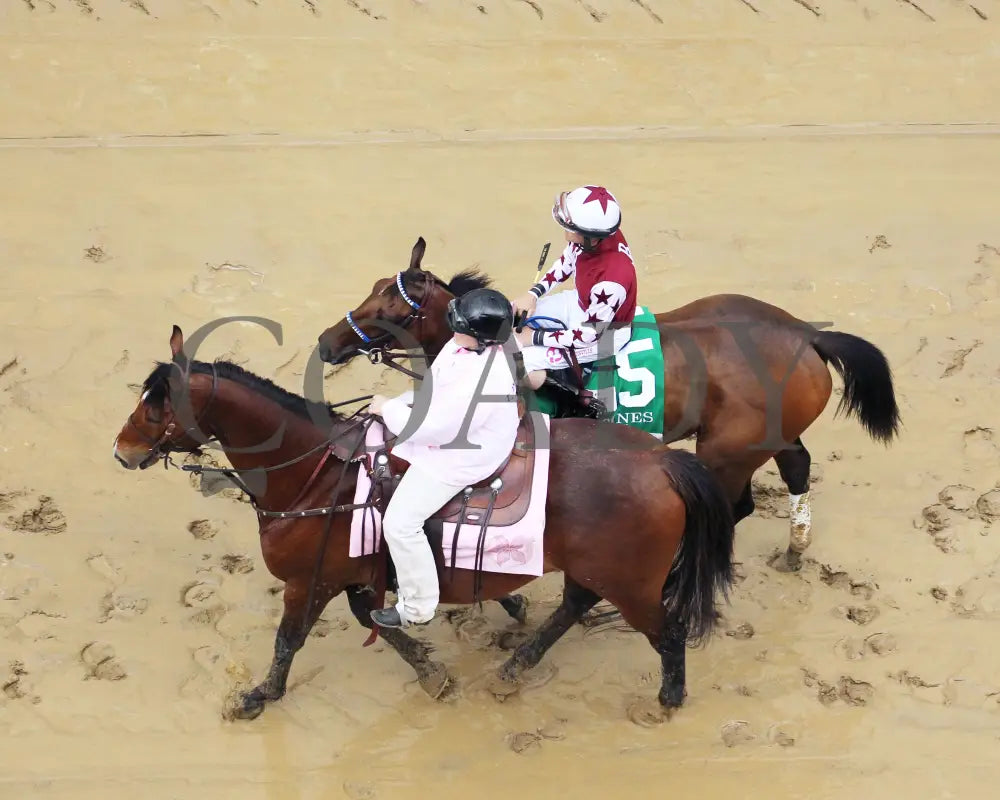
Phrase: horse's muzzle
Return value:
(134, 463)
(329, 356)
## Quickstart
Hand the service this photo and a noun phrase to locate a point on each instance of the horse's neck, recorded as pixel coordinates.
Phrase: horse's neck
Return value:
(256, 433)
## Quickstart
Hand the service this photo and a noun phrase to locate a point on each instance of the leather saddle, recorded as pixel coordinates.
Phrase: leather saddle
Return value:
(509, 487)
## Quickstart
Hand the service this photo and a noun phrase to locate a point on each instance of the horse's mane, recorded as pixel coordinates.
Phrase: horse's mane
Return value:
(465, 281)
(157, 384)
(460, 284)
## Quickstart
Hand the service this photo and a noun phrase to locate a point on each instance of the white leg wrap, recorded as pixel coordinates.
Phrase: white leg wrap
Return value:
(800, 516)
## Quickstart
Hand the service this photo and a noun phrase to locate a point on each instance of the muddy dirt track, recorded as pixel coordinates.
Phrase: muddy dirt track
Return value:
(175, 161)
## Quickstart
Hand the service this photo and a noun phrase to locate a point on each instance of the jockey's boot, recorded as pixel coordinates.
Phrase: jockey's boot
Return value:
(573, 400)
(389, 618)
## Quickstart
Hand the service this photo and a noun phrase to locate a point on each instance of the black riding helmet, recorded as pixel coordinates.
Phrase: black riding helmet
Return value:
(482, 313)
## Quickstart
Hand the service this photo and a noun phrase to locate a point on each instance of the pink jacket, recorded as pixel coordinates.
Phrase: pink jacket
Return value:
(454, 378)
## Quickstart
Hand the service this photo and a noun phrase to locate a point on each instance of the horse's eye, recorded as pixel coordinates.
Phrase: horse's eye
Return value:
(154, 415)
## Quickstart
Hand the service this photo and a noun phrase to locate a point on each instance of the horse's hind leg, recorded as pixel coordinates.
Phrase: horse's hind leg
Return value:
(291, 635)
(643, 610)
(745, 505)
(576, 602)
(671, 647)
(793, 464)
(433, 677)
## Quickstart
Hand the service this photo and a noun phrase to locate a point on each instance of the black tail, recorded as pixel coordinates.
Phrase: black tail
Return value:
(704, 561)
(868, 392)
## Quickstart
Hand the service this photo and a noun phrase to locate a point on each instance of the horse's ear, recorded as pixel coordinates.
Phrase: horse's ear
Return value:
(176, 341)
(417, 255)
(177, 347)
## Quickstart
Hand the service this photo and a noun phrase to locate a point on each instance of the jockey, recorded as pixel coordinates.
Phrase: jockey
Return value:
(482, 321)
(605, 298)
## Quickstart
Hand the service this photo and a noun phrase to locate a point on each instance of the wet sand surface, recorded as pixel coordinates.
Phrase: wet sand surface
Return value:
(177, 162)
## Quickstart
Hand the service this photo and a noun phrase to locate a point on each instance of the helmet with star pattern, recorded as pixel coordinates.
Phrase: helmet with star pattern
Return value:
(591, 211)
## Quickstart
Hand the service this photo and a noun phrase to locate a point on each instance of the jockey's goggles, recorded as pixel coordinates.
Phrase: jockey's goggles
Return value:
(560, 213)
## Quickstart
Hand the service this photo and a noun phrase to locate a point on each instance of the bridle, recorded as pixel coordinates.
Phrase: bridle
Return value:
(375, 351)
(157, 451)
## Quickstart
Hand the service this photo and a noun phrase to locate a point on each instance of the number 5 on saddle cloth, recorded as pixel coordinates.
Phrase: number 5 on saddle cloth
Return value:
(629, 383)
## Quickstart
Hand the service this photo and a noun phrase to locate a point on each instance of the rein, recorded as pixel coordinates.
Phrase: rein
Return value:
(349, 456)
(377, 355)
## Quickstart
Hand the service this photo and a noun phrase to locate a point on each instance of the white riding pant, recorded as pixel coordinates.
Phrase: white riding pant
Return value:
(418, 495)
(564, 307)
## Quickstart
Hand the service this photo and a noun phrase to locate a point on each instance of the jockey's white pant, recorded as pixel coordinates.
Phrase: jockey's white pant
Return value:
(564, 307)
(418, 495)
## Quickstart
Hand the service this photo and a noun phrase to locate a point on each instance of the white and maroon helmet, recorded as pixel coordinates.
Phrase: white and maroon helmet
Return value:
(589, 210)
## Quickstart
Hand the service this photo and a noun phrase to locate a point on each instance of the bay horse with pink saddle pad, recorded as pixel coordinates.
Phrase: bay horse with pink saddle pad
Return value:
(742, 377)
(630, 520)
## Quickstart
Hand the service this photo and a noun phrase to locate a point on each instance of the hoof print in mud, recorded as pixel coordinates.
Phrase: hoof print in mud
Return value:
(783, 734)
(43, 516)
(737, 732)
(359, 791)
(647, 712)
(236, 564)
(741, 632)
(855, 693)
(859, 615)
(203, 529)
(524, 741)
(100, 662)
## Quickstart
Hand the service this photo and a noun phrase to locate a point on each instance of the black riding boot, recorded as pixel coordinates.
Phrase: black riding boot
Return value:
(572, 399)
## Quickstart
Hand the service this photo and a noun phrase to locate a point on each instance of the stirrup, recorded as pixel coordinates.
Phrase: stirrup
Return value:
(592, 406)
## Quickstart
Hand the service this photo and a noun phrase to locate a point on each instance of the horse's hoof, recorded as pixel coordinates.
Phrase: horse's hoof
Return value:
(249, 706)
(517, 608)
(648, 713)
(789, 561)
(502, 688)
(672, 698)
(435, 681)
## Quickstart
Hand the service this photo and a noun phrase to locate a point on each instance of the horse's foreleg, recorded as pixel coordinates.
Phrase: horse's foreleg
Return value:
(793, 464)
(433, 676)
(292, 631)
(576, 602)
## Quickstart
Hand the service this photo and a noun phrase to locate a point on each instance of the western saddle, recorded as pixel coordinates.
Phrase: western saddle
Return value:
(503, 497)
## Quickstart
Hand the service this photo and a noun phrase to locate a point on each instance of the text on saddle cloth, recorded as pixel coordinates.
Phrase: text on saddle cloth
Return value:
(515, 548)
